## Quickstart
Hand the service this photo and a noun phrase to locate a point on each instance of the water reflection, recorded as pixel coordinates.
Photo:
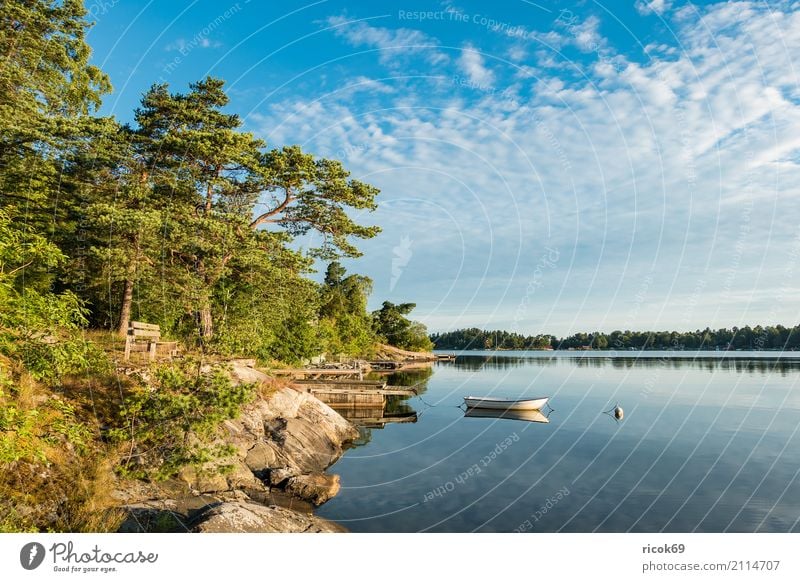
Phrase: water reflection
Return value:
(524, 415)
(475, 363)
(708, 444)
(394, 410)
(366, 418)
(709, 361)
(417, 377)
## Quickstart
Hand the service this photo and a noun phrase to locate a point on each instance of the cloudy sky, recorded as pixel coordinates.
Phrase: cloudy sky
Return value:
(545, 167)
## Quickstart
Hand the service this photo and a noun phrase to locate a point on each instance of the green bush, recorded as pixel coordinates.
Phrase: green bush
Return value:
(159, 419)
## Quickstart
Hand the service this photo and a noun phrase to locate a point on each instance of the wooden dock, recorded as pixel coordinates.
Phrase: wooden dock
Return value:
(353, 393)
(387, 391)
(385, 365)
(316, 373)
(341, 383)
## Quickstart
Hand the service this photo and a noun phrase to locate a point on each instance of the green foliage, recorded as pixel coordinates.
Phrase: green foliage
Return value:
(299, 339)
(267, 308)
(13, 522)
(181, 219)
(45, 60)
(66, 424)
(394, 328)
(166, 421)
(304, 194)
(35, 434)
(478, 339)
(174, 240)
(345, 323)
(48, 89)
(18, 435)
(42, 330)
(746, 338)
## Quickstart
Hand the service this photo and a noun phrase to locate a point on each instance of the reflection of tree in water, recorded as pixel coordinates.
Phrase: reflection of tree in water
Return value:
(396, 406)
(474, 363)
(710, 364)
(418, 378)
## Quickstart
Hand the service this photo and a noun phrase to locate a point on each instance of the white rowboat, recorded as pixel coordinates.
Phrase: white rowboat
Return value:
(505, 403)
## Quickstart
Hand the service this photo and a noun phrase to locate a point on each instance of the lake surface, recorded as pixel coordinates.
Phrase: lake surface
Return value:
(707, 444)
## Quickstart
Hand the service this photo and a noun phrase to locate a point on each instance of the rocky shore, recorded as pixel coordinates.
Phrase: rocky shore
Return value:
(282, 443)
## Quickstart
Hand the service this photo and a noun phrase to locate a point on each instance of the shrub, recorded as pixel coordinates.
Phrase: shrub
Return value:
(166, 421)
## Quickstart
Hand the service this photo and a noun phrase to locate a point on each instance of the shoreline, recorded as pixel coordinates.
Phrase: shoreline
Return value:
(272, 481)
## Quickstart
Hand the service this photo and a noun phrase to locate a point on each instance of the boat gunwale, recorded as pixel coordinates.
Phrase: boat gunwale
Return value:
(505, 400)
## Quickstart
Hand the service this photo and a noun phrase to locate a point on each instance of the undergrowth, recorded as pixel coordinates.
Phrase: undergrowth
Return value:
(166, 421)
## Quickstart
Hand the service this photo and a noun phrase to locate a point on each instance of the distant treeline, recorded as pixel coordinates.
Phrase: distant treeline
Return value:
(746, 338)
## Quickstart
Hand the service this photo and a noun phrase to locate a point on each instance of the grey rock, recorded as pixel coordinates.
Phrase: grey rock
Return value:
(279, 475)
(243, 372)
(247, 517)
(316, 487)
(284, 441)
(290, 434)
(261, 456)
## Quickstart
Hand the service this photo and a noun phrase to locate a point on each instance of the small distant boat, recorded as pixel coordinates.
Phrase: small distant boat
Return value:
(526, 415)
(505, 403)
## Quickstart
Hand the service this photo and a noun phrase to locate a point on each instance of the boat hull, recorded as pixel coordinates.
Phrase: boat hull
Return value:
(504, 404)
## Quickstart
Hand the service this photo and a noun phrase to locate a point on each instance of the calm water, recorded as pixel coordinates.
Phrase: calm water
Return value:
(708, 445)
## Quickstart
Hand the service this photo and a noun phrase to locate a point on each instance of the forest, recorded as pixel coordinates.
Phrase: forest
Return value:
(180, 218)
(745, 338)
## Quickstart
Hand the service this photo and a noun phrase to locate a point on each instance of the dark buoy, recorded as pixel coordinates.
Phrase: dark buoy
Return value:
(616, 413)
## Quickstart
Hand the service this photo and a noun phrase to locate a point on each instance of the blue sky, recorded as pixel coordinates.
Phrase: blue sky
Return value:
(545, 167)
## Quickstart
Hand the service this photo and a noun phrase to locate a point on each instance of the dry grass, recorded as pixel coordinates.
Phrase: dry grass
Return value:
(97, 398)
(272, 385)
(70, 493)
(91, 507)
(56, 474)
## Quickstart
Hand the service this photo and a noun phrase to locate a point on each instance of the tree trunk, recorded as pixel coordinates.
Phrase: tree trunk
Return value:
(127, 294)
(205, 323)
(125, 311)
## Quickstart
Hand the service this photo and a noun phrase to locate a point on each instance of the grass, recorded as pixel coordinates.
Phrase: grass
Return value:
(55, 469)
(59, 459)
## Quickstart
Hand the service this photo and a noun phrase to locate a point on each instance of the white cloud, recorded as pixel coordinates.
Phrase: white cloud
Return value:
(393, 43)
(517, 52)
(654, 6)
(176, 45)
(471, 63)
(678, 171)
(184, 46)
(587, 35)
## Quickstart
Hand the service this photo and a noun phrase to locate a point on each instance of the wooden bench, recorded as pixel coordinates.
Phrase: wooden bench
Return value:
(144, 337)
